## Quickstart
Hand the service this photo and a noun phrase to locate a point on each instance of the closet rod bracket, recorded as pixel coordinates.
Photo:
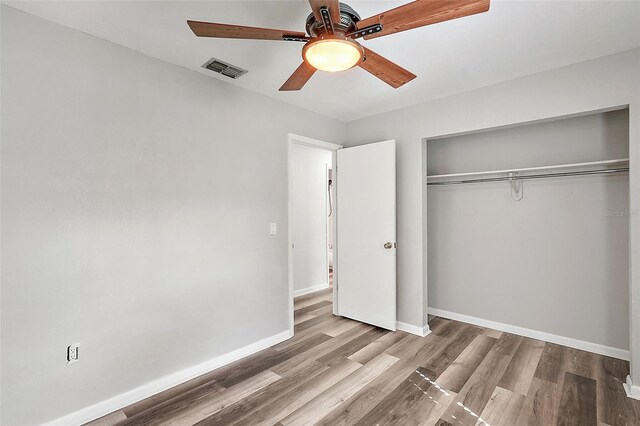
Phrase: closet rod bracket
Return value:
(516, 187)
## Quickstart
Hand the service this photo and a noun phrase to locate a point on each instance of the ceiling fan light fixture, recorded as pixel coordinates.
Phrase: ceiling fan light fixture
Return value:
(333, 54)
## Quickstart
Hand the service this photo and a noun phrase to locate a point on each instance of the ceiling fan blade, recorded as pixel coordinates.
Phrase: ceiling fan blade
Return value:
(392, 74)
(420, 13)
(332, 5)
(299, 78)
(210, 29)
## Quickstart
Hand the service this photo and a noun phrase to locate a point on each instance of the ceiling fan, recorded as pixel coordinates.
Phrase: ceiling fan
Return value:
(333, 29)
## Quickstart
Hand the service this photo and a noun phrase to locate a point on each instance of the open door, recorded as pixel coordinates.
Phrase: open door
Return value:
(366, 233)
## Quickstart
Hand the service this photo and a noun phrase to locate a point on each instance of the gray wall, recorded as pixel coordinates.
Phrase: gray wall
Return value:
(555, 261)
(309, 205)
(136, 202)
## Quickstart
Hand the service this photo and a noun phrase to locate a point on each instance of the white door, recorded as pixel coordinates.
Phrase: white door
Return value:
(366, 233)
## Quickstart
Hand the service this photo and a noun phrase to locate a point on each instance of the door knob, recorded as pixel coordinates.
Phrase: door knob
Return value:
(388, 245)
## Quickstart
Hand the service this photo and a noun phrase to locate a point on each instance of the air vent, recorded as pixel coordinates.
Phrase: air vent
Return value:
(221, 67)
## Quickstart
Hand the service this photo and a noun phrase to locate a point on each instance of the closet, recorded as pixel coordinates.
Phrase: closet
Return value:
(528, 226)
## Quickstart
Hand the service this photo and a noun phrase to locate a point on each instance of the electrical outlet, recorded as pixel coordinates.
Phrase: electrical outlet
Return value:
(73, 353)
(273, 228)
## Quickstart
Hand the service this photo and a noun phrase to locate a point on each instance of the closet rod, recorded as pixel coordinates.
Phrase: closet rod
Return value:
(527, 177)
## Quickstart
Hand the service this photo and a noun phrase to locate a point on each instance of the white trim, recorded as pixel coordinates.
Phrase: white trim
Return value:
(312, 289)
(117, 402)
(535, 334)
(630, 389)
(547, 119)
(413, 329)
(314, 143)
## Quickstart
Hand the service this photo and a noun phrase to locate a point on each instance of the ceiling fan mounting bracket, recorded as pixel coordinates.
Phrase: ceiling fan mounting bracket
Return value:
(326, 20)
(348, 20)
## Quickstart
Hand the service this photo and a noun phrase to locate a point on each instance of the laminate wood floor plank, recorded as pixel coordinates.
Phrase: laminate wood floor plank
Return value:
(190, 409)
(168, 408)
(312, 322)
(412, 346)
(394, 407)
(457, 374)
(337, 329)
(376, 347)
(320, 327)
(552, 363)
(314, 297)
(313, 307)
(523, 365)
(339, 372)
(578, 402)
(582, 363)
(341, 353)
(412, 351)
(242, 371)
(445, 328)
(433, 321)
(321, 311)
(476, 392)
(311, 301)
(540, 407)
(428, 410)
(359, 404)
(302, 318)
(438, 358)
(297, 377)
(502, 409)
(316, 409)
(321, 350)
(170, 393)
(491, 333)
(300, 396)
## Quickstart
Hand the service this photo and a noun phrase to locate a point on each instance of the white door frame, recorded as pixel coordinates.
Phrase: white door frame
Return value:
(313, 143)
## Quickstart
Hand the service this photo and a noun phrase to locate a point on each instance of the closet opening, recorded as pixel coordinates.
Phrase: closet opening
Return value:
(528, 230)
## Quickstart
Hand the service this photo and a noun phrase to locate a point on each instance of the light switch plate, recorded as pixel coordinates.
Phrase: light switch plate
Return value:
(273, 228)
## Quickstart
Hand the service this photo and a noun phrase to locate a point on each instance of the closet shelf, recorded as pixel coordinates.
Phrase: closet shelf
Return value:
(621, 162)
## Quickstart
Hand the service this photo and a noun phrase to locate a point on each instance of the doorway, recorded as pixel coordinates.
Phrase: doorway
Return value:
(348, 224)
(312, 210)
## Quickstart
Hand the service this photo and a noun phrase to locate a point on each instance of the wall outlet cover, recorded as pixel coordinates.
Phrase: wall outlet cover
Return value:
(73, 353)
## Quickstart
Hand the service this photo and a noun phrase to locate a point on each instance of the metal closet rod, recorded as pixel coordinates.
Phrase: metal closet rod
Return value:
(528, 177)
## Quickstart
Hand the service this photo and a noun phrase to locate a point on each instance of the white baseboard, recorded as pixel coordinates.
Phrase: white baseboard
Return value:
(117, 402)
(630, 389)
(413, 329)
(535, 334)
(310, 289)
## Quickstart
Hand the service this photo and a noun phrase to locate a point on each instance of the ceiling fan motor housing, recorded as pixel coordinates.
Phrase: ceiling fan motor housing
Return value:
(348, 20)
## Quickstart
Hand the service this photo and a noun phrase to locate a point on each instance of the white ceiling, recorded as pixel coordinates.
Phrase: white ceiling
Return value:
(513, 39)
